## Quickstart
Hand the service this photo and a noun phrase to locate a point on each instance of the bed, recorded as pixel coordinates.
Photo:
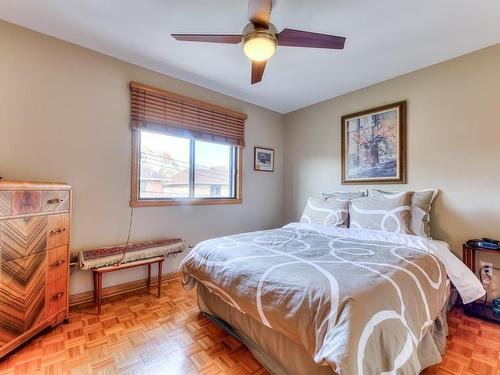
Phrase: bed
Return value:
(319, 299)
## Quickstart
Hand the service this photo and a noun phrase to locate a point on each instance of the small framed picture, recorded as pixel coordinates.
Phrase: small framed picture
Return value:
(263, 159)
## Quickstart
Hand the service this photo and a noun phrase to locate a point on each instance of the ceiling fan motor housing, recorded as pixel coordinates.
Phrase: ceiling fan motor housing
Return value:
(251, 31)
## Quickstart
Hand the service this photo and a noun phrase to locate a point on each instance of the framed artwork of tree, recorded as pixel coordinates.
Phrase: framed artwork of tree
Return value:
(374, 145)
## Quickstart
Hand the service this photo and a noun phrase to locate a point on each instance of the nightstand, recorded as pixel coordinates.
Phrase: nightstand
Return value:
(469, 255)
(476, 309)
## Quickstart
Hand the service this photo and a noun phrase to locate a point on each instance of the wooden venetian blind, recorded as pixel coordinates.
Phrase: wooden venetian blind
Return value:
(163, 111)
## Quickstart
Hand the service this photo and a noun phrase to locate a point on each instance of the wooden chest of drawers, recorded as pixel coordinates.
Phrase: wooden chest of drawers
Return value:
(34, 265)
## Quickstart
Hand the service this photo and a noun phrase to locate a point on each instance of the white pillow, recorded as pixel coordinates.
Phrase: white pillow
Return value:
(350, 195)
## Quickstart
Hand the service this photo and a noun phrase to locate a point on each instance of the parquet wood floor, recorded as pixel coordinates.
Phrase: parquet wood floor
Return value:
(139, 334)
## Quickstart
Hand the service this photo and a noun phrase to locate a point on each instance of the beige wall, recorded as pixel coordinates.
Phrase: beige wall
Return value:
(453, 144)
(64, 116)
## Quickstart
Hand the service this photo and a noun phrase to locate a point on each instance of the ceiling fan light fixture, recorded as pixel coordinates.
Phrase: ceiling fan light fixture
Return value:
(259, 45)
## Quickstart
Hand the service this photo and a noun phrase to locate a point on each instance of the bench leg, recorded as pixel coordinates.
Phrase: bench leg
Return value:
(95, 285)
(149, 275)
(160, 269)
(99, 292)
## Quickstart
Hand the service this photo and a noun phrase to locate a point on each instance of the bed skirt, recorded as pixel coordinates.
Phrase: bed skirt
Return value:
(283, 356)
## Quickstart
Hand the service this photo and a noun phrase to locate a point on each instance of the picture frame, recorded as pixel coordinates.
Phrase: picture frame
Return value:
(373, 145)
(263, 159)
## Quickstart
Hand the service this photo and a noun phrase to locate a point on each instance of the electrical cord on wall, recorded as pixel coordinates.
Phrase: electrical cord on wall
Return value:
(129, 227)
(128, 238)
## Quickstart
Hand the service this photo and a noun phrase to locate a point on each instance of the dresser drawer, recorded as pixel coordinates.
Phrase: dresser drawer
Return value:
(57, 230)
(57, 263)
(22, 237)
(26, 202)
(5, 203)
(56, 297)
(22, 290)
(55, 201)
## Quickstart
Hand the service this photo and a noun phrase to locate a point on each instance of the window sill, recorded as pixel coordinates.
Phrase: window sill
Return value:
(184, 202)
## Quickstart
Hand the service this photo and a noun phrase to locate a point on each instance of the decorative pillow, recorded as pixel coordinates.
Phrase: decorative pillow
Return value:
(326, 211)
(390, 213)
(350, 195)
(420, 209)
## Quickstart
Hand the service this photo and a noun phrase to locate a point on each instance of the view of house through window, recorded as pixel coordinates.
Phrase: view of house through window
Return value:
(178, 168)
(213, 170)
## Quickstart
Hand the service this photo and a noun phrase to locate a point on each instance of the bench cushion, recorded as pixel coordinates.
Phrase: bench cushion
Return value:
(107, 256)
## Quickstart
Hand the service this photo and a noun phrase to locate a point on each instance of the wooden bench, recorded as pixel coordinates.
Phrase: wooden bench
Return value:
(98, 272)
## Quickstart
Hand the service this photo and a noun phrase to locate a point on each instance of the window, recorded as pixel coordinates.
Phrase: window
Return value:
(184, 151)
(177, 168)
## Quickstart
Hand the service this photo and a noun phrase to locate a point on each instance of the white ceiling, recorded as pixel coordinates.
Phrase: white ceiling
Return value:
(385, 38)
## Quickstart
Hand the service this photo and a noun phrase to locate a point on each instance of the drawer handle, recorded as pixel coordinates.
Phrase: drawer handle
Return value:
(58, 263)
(57, 296)
(57, 230)
(55, 200)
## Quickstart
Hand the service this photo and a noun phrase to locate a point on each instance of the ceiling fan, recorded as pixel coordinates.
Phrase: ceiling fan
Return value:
(260, 38)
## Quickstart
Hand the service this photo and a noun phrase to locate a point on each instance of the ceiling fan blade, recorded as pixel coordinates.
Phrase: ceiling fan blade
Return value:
(229, 39)
(297, 38)
(259, 12)
(258, 70)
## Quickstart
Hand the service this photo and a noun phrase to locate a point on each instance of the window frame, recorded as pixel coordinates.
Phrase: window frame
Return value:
(136, 201)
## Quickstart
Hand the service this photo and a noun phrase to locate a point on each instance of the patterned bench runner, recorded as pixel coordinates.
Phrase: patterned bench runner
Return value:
(108, 256)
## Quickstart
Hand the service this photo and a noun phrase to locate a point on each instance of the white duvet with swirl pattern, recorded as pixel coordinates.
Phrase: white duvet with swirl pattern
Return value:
(357, 300)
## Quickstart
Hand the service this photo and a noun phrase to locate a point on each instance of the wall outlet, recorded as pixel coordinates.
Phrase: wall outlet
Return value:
(488, 268)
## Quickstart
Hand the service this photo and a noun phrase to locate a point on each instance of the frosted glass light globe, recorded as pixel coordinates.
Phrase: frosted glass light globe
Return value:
(259, 47)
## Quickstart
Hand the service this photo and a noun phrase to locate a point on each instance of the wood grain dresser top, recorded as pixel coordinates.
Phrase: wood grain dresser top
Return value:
(30, 185)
